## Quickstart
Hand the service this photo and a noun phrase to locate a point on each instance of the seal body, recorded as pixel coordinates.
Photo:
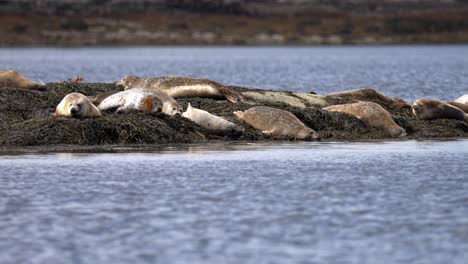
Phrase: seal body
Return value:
(11, 78)
(76, 105)
(137, 99)
(276, 122)
(462, 99)
(178, 87)
(98, 98)
(461, 106)
(368, 94)
(372, 114)
(214, 124)
(428, 109)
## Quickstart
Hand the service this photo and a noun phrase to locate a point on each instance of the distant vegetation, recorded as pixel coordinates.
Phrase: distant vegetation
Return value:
(232, 22)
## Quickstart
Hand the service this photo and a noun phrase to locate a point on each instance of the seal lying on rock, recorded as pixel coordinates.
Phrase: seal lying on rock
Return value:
(98, 98)
(463, 107)
(178, 87)
(368, 94)
(14, 79)
(214, 124)
(372, 114)
(136, 99)
(76, 105)
(462, 99)
(428, 109)
(276, 122)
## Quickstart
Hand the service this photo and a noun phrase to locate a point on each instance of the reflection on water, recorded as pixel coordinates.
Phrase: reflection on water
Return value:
(374, 202)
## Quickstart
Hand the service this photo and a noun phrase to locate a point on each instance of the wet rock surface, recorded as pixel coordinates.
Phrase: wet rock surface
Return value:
(26, 120)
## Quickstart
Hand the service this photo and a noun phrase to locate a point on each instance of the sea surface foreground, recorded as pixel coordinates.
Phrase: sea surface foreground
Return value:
(376, 202)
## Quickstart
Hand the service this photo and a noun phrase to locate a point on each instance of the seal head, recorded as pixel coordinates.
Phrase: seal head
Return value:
(76, 105)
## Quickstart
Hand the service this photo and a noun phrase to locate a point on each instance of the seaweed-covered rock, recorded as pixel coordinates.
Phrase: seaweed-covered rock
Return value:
(26, 119)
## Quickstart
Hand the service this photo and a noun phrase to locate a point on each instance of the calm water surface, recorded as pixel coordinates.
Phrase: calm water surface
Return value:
(394, 202)
(389, 202)
(409, 72)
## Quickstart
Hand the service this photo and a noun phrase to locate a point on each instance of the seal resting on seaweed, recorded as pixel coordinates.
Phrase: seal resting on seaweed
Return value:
(463, 107)
(11, 78)
(428, 109)
(98, 98)
(214, 124)
(276, 122)
(124, 101)
(368, 94)
(462, 99)
(76, 105)
(178, 87)
(372, 114)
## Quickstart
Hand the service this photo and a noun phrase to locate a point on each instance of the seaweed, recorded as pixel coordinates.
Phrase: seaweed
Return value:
(26, 120)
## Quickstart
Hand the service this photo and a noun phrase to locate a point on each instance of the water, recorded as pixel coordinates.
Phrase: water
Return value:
(393, 202)
(409, 72)
(379, 202)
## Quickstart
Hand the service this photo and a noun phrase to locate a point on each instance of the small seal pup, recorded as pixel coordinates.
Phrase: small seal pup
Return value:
(428, 109)
(214, 124)
(178, 87)
(136, 99)
(76, 105)
(276, 122)
(463, 107)
(11, 78)
(372, 114)
(462, 99)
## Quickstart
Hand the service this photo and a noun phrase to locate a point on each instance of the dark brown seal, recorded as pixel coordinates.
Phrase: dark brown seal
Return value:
(428, 109)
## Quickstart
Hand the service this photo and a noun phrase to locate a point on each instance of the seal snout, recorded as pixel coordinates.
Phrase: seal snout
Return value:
(75, 109)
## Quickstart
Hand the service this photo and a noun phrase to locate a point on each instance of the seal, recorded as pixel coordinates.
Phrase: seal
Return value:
(369, 94)
(462, 99)
(11, 78)
(76, 105)
(276, 122)
(136, 99)
(463, 107)
(178, 87)
(427, 109)
(98, 98)
(213, 124)
(372, 114)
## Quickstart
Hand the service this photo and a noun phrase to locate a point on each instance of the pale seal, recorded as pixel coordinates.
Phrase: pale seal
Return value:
(178, 87)
(462, 99)
(14, 79)
(372, 114)
(427, 109)
(276, 122)
(76, 105)
(213, 124)
(136, 99)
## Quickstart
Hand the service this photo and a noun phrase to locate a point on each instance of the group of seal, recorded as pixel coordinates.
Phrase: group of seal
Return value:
(156, 95)
(151, 95)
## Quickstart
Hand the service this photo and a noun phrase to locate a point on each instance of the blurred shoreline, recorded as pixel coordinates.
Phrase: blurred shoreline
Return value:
(252, 23)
